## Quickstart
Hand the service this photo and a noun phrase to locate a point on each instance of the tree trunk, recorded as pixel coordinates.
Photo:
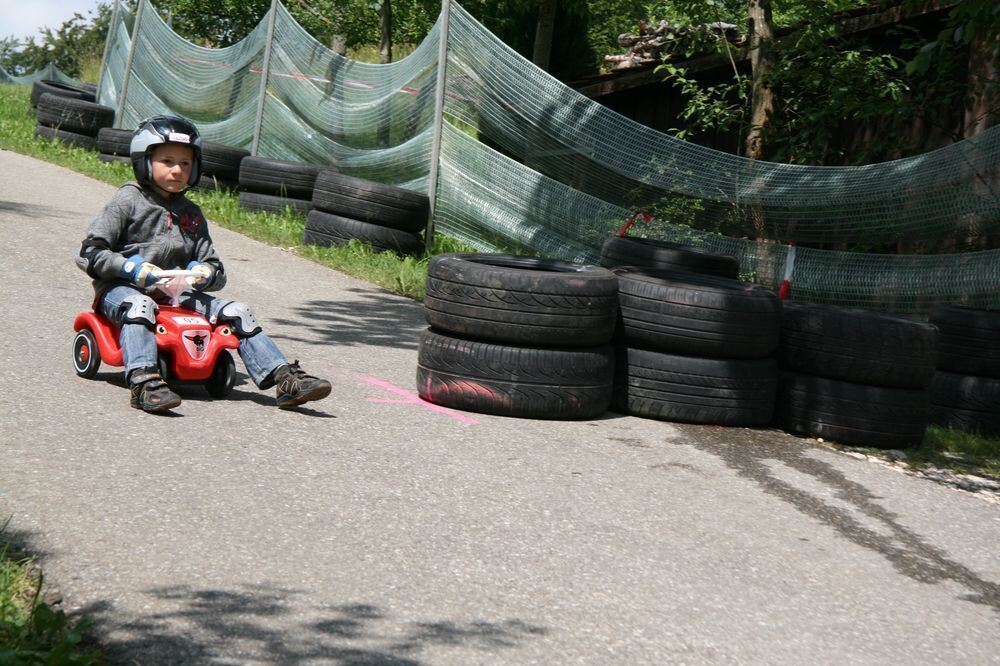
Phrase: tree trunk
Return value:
(982, 111)
(338, 44)
(761, 27)
(385, 20)
(543, 33)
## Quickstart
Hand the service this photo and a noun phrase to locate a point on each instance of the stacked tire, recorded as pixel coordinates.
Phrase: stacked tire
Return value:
(518, 336)
(73, 121)
(273, 186)
(855, 376)
(965, 392)
(220, 166)
(388, 218)
(695, 348)
(113, 145)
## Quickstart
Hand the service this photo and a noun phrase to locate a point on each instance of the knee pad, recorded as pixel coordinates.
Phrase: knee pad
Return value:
(139, 309)
(240, 318)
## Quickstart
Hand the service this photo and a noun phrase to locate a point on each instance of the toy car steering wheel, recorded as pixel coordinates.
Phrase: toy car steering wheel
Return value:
(171, 284)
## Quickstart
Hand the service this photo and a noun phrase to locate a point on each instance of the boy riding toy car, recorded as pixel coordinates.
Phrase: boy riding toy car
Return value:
(190, 349)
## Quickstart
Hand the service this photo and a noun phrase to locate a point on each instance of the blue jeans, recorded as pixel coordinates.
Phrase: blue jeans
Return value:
(259, 353)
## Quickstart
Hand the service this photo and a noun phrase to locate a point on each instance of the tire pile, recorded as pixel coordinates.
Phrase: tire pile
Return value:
(675, 336)
(518, 336)
(693, 347)
(68, 113)
(272, 186)
(344, 207)
(855, 376)
(965, 392)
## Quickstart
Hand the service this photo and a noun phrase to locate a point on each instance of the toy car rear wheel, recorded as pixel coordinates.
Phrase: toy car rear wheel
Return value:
(220, 384)
(86, 355)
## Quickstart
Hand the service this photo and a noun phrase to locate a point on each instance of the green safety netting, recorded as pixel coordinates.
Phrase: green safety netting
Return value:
(527, 164)
(48, 73)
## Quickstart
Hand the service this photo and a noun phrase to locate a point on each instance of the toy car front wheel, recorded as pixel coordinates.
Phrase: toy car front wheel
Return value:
(220, 384)
(86, 355)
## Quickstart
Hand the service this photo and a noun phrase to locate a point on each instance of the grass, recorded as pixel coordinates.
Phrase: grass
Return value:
(31, 632)
(953, 450)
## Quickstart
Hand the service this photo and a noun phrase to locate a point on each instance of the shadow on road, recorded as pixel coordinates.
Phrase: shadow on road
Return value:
(370, 318)
(33, 210)
(751, 457)
(252, 624)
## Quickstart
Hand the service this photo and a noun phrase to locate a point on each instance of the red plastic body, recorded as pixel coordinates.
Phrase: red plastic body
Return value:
(189, 340)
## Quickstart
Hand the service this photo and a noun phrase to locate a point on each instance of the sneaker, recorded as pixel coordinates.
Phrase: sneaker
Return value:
(294, 386)
(150, 393)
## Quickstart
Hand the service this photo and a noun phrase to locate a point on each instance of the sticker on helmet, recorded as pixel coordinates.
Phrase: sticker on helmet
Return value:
(177, 137)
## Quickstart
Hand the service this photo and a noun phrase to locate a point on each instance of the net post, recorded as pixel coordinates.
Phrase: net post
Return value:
(112, 29)
(438, 122)
(128, 63)
(265, 70)
(785, 290)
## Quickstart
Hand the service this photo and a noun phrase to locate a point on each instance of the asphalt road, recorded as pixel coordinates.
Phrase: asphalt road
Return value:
(372, 528)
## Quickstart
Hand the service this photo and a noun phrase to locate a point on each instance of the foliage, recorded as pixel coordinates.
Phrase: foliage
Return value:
(70, 46)
(827, 83)
(30, 631)
(943, 448)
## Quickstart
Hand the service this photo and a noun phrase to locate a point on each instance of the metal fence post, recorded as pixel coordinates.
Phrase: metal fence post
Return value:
(128, 63)
(438, 121)
(265, 70)
(112, 29)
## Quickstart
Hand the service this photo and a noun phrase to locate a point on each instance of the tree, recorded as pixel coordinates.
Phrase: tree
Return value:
(385, 31)
(761, 29)
(543, 33)
(70, 47)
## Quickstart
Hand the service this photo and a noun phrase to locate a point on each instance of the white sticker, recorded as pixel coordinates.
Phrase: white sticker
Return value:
(189, 321)
(177, 137)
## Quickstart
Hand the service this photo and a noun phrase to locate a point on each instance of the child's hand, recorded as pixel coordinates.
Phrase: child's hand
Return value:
(206, 273)
(140, 271)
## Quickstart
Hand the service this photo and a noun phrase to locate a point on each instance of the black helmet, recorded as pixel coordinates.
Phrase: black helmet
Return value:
(156, 131)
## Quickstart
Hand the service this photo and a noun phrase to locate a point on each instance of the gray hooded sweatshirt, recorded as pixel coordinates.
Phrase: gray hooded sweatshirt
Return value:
(137, 221)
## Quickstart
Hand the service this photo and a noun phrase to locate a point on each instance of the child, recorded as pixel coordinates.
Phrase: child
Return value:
(148, 226)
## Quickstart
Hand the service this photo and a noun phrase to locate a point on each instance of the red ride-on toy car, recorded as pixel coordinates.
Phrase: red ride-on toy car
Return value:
(191, 350)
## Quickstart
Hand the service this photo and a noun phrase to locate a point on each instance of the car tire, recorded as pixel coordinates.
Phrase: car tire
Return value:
(269, 203)
(966, 402)
(375, 203)
(970, 340)
(521, 300)
(695, 314)
(850, 413)
(223, 377)
(73, 115)
(508, 380)
(670, 387)
(60, 89)
(855, 345)
(86, 354)
(294, 180)
(68, 138)
(222, 161)
(652, 253)
(325, 229)
(114, 141)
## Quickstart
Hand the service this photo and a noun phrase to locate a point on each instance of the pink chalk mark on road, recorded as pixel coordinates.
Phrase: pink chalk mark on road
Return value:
(412, 399)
